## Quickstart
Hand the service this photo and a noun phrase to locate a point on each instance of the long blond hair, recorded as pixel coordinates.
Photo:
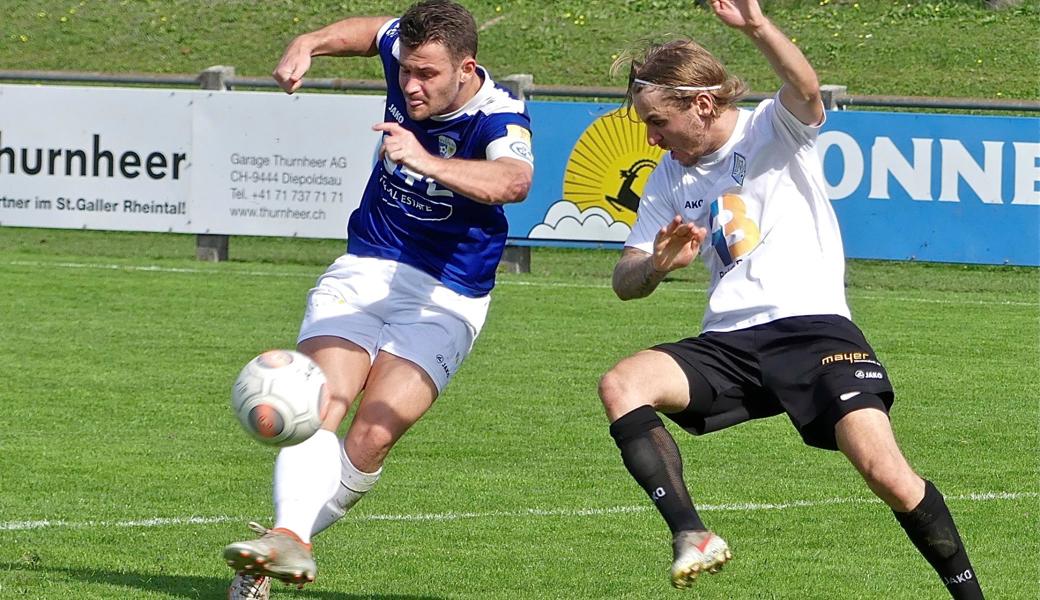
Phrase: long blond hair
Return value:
(681, 69)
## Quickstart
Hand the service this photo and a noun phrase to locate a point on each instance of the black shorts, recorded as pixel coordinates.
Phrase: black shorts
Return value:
(817, 369)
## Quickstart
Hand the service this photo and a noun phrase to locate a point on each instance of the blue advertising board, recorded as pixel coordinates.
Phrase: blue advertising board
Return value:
(944, 188)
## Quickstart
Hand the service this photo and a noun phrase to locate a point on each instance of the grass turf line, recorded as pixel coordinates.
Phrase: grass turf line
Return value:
(116, 386)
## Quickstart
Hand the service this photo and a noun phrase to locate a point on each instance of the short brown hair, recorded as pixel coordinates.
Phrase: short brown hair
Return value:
(440, 21)
(680, 62)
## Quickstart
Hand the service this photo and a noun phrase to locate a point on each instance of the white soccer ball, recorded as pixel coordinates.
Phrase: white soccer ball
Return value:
(278, 396)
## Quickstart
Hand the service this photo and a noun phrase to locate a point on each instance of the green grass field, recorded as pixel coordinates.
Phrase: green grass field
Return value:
(123, 472)
(909, 47)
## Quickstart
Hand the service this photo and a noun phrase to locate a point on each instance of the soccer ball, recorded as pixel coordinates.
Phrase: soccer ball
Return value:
(277, 397)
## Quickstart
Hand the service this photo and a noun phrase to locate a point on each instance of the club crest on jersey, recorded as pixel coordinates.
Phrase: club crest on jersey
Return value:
(739, 168)
(522, 149)
(446, 146)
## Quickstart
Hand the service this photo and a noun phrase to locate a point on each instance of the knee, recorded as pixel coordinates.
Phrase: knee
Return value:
(368, 444)
(613, 388)
(876, 474)
(337, 406)
(906, 492)
(621, 395)
(895, 483)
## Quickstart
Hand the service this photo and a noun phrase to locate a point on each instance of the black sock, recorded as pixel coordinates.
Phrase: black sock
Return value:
(931, 528)
(651, 456)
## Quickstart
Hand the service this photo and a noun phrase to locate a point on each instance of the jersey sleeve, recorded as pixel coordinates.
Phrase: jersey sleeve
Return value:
(508, 136)
(656, 209)
(389, 46)
(787, 126)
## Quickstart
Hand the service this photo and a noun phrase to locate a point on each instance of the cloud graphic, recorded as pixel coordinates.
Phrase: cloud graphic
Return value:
(564, 221)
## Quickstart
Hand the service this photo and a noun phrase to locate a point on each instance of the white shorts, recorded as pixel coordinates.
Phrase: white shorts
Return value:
(381, 304)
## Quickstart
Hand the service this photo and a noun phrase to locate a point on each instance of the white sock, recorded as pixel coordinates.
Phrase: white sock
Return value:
(305, 477)
(353, 485)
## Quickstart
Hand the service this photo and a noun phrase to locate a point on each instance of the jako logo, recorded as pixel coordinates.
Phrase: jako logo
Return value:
(444, 365)
(869, 375)
(964, 577)
(658, 493)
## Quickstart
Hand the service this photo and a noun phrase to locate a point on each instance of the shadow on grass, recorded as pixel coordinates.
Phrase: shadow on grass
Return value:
(191, 586)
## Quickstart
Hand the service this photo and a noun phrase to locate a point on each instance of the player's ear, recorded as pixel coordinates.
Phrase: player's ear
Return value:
(468, 68)
(704, 104)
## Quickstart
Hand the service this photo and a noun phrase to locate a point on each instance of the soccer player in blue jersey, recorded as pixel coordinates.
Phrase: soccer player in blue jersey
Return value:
(396, 314)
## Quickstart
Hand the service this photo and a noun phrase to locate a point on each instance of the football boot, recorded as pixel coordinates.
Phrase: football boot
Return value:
(276, 553)
(697, 552)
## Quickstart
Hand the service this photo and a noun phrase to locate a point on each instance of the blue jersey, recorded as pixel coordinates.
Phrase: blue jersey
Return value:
(413, 219)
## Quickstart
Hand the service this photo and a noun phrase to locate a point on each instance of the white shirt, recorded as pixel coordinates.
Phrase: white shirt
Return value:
(773, 248)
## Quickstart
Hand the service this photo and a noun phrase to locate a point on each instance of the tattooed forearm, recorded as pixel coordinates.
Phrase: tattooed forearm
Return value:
(635, 276)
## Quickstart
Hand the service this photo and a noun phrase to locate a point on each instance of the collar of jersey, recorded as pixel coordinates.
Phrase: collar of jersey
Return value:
(475, 102)
(738, 132)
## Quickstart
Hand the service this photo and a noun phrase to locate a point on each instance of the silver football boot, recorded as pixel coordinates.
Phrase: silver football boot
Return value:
(275, 554)
(697, 552)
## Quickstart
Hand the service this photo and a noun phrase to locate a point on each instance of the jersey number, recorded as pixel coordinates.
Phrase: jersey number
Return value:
(410, 177)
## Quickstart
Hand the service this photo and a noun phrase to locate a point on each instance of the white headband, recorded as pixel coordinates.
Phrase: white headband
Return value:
(681, 88)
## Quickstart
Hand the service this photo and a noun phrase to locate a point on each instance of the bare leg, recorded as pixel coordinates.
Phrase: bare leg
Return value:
(866, 438)
(398, 393)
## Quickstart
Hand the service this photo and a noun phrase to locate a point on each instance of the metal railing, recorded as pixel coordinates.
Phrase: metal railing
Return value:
(835, 97)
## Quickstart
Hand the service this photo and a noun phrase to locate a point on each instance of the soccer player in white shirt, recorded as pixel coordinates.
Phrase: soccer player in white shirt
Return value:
(396, 314)
(744, 190)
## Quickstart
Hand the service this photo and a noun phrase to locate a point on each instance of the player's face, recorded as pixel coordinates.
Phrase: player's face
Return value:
(683, 132)
(432, 83)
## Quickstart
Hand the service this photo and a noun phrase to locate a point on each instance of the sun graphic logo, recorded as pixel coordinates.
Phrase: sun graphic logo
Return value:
(602, 183)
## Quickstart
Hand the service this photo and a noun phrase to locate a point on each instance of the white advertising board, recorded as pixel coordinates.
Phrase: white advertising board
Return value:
(94, 158)
(242, 163)
(273, 164)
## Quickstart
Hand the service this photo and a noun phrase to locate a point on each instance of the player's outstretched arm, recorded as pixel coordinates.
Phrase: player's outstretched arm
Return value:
(499, 181)
(355, 36)
(800, 93)
(637, 274)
